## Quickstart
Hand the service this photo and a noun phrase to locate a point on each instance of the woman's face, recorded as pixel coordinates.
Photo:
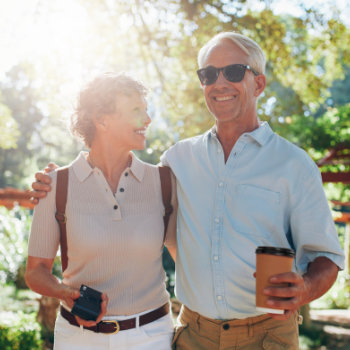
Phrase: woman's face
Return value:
(126, 129)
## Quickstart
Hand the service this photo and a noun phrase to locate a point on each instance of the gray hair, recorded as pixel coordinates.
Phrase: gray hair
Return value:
(99, 98)
(256, 57)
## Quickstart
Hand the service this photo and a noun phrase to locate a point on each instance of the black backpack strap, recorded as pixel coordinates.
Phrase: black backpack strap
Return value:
(61, 201)
(165, 181)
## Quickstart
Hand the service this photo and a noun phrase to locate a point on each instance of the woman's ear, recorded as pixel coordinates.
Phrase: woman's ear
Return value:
(260, 83)
(101, 122)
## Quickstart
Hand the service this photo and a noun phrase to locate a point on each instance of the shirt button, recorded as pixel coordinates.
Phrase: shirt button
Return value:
(115, 207)
(221, 184)
(122, 190)
(126, 174)
(217, 220)
(219, 297)
(226, 326)
(216, 258)
(219, 150)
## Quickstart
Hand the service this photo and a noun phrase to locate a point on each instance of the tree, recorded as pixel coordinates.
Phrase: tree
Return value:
(8, 128)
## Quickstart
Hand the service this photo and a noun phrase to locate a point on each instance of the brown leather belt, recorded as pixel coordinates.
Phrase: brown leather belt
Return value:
(114, 326)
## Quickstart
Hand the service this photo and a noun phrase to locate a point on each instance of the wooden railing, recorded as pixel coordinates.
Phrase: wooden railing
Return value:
(11, 196)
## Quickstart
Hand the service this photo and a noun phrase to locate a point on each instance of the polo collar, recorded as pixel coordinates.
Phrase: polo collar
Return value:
(82, 168)
(137, 167)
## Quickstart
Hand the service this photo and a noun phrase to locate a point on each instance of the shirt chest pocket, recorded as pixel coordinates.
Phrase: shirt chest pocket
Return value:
(257, 194)
(255, 209)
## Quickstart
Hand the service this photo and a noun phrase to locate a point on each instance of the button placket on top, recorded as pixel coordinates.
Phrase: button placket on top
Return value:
(108, 194)
(224, 172)
(122, 186)
(217, 228)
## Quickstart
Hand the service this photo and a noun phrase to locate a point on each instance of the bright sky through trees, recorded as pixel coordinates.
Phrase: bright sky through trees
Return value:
(62, 29)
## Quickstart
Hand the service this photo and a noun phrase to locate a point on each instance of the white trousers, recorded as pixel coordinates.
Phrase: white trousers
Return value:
(156, 335)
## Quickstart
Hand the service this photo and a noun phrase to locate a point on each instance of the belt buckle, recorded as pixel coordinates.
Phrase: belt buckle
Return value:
(117, 327)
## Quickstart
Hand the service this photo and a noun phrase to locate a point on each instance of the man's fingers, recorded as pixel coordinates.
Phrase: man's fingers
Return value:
(281, 292)
(41, 177)
(50, 167)
(34, 200)
(287, 277)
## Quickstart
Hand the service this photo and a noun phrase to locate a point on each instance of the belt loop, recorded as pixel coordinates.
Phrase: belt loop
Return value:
(198, 321)
(250, 328)
(137, 322)
(81, 329)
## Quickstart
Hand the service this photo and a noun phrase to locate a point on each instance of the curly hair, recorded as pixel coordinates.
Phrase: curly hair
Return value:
(99, 98)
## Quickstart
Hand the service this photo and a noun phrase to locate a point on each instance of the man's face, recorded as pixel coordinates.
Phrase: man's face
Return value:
(232, 102)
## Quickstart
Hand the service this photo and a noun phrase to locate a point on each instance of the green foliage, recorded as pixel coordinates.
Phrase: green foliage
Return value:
(312, 337)
(338, 297)
(14, 230)
(322, 133)
(13, 300)
(158, 42)
(39, 137)
(8, 128)
(19, 332)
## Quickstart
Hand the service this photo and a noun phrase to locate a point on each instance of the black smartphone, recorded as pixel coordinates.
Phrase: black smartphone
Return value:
(88, 305)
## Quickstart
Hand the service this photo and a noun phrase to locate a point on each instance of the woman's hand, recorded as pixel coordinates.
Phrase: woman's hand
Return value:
(104, 303)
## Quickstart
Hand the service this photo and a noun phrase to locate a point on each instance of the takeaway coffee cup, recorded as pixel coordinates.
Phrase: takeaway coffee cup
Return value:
(270, 261)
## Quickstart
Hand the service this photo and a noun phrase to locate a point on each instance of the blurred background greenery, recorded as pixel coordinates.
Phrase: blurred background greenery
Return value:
(51, 48)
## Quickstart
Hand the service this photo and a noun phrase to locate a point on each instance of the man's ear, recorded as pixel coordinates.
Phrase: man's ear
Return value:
(260, 83)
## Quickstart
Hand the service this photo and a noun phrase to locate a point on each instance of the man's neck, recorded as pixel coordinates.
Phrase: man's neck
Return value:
(229, 133)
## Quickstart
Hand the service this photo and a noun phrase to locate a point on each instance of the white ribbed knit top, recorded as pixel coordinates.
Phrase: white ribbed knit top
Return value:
(114, 240)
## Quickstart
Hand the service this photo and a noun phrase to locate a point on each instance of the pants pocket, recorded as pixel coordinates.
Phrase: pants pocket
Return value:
(163, 326)
(178, 330)
(272, 343)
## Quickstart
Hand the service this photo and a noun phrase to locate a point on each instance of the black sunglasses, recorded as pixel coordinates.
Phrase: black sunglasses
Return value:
(233, 73)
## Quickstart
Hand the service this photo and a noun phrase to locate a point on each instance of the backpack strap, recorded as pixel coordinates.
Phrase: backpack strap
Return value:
(165, 181)
(61, 200)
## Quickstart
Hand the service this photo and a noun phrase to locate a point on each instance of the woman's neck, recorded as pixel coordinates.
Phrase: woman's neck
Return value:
(111, 162)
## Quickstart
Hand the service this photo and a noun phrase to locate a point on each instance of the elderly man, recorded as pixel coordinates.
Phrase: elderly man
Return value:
(240, 186)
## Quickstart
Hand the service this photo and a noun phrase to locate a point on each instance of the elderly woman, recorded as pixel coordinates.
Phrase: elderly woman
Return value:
(114, 227)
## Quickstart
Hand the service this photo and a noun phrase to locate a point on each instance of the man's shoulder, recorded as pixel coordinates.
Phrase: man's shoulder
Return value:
(292, 152)
(190, 141)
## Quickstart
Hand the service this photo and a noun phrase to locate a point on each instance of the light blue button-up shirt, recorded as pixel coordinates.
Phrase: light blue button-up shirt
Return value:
(269, 193)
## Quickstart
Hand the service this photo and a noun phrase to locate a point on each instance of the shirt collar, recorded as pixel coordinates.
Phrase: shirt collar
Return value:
(137, 167)
(82, 168)
(260, 135)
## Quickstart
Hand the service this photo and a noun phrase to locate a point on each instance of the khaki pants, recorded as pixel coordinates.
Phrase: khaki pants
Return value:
(195, 332)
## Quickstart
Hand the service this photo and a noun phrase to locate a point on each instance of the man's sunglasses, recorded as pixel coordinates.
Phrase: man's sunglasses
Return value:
(233, 73)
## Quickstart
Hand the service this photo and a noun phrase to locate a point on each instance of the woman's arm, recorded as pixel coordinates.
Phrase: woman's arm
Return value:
(39, 278)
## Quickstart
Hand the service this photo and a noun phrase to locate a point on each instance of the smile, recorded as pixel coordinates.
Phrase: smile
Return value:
(224, 98)
(140, 131)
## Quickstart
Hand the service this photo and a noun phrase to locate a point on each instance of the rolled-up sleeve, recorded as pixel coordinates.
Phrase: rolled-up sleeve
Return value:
(313, 230)
(44, 234)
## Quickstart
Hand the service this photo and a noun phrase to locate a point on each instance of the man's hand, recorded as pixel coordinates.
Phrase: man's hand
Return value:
(288, 298)
(300, 290)
(42, 184)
